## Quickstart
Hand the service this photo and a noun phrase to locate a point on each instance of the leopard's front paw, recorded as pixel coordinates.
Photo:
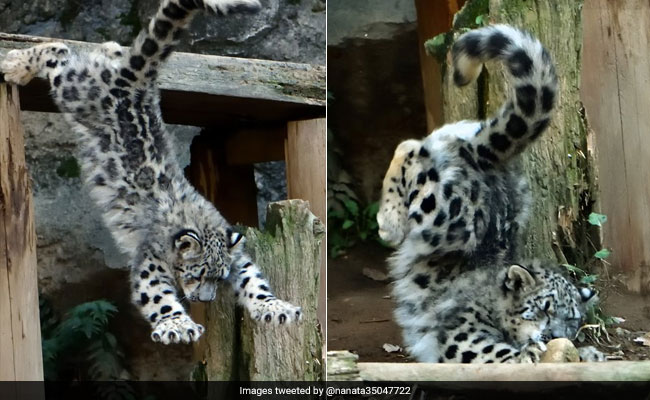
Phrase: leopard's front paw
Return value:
(21, 66)
(532, 352)
(591, 354)
(277, 312)
(176, 330)
(17, 68)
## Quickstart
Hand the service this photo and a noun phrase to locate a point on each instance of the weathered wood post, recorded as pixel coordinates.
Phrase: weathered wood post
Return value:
(288, 252)
(615, 83)
(20, 331)
(306, 179)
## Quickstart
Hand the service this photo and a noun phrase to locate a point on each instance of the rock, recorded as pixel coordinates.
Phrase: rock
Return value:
(560, 350)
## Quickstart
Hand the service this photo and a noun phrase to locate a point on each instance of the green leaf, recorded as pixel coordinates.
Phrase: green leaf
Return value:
(588, 279)
(347, 224)
(335, 214)
(602, 254)
(597, 219)
(372, 209)
(574, 269)
(352, 207)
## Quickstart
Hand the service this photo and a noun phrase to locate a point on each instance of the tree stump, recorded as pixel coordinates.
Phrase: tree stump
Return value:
(235, 347)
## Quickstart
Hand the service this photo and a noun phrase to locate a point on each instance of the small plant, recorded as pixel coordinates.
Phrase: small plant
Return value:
(596, 322)
(80, 343)
(351, 223)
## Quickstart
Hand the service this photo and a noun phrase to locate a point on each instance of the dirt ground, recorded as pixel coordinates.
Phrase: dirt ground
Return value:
(359, 309)
(359, 312)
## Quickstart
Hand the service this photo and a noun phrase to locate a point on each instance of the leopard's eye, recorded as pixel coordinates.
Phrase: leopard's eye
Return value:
(529, 315)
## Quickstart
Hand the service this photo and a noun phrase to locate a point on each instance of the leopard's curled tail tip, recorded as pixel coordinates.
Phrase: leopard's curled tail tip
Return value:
(529, 67)
(523, 55)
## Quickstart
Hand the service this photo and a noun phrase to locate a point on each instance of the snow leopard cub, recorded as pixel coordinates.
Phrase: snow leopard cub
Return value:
(453, 204)
(174, 237)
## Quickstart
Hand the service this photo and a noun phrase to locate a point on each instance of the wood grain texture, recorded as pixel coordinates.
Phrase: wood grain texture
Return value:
(205, 90)
(289, 253)
(434, 17)
(615, 85)
(255, 145)
(467, 373)
(305, 152)
(20, 332)
(237, 348)
(558, 165)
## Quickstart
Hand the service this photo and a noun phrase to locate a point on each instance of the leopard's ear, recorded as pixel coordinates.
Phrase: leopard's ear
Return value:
(188, 244)
(235, 239)
(518, 278)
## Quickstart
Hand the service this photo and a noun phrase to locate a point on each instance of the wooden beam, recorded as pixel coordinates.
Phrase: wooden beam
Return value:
(306, 179)
(204, 90)
(573, 372)
(231, 188)
(305, 153)
(343, 365)
(254, 145)
(20, 331)
(615, 80)
(434, 17)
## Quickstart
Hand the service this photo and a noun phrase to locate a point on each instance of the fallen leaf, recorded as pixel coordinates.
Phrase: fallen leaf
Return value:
(391, 348)
(374, 274)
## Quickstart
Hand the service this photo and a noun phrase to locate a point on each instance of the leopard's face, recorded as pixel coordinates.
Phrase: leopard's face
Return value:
(202, 260)
(545, 305)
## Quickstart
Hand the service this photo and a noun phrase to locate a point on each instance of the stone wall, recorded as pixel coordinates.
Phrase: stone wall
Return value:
(375, 85)
(74, 248)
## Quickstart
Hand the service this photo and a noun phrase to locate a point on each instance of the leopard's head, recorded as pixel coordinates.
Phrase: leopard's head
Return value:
(203, 259)
(542, 304)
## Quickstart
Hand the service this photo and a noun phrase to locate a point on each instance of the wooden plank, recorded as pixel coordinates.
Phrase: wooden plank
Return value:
(615, 85)
(433, 17)
(306, 179)
(254, 145)
(467, 373)
(205, 90)
(20, 333)
(305, 153)
(231, 188)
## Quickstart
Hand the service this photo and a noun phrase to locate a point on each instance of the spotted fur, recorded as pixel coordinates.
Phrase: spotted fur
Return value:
(453, 205)
(179, 245)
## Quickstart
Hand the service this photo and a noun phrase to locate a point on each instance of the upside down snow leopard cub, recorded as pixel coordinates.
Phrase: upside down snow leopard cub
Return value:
(453, 204)
(173, 236)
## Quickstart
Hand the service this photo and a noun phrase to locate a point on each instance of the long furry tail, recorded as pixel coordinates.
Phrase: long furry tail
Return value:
(527, 113)
(156, 42)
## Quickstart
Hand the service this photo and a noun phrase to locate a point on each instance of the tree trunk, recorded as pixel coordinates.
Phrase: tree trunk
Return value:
(559, 165)
(237, 348)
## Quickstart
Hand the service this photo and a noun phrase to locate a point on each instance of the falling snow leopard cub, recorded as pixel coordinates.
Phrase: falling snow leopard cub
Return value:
(174, 237)
(453, 204)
